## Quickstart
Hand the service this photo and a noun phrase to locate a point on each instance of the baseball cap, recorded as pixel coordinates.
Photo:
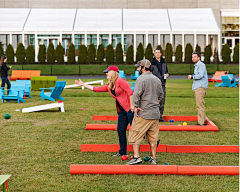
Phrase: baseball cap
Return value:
(144, 63)
(111, 68)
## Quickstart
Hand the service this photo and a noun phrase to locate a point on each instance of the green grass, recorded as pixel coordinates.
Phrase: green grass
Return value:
(38, 148)
(174, 69)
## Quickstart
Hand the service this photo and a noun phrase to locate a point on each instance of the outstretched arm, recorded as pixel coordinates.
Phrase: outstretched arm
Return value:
(80, 83)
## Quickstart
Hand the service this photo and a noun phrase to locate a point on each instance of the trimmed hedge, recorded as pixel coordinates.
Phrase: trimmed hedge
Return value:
(198, 49)
(60, 54)
(30, 55)
(51, 54)
(207, 54)
(91, 53)
(1, 50)
(20, 54)
(140, 52)
(178, 54)
(168, 53)
(119, 53)
(71, 54)
(110, 54)
(188, 53)
(100, 54)
(82, 54)
(42, 54)
(129, 55)
(10, 54)
(226, 52)
(215, 56)
(149, 52)
(236, 54)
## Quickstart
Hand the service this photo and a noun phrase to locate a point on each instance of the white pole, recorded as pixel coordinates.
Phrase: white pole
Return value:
(183, 46)
(122, 39)
(85, 38)
(206, 39)
(110, 38)
(36, 46)
(159, 40)
(97, 38)
(195, 41)
(146, 40)
(134, 46)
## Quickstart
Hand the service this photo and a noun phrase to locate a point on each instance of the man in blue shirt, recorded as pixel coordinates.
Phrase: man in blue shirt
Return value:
(199, 87)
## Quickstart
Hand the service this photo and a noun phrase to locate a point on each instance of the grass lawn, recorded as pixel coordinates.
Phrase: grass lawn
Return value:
(38, 148)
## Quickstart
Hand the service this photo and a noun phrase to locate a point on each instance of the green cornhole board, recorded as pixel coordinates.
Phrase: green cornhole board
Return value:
(43, 82)
(3, 180)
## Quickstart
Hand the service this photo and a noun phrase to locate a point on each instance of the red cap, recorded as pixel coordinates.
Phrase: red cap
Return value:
(111, 68)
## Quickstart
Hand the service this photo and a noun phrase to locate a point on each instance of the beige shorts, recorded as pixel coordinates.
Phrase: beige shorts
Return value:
(143, 127)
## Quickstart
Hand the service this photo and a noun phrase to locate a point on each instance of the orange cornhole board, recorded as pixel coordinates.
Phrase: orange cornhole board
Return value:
(217, 76)
(154, 169)
(164, 148)
(209, 127)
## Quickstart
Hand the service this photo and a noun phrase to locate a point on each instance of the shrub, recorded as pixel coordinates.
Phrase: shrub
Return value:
(207, 54)
(100, 54)
(91, 53)
(30, 55)
(188, 53)
(60, 54)
(1, 49)
(129, 55)
(10, 54)
(236, 54)
(20, 54)
(178, 54)
(226, 52)
(215, 56)
(168, 53)
(42, 54)
(71, 54)
(140, 52)
(119, 53)
(198, 49)
(149, 52)
(51, 54)
(110, 54)
(160, 47)
(82, 54)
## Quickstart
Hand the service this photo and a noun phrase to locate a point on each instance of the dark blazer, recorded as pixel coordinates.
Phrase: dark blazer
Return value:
(156, 71)
(4, 70)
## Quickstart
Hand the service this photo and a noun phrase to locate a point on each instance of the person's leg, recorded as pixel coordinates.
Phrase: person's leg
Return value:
(152, 135)
(199, 94)
(162, 103)
(153, 150)
(8, 83)
(3, 82)
(136, 150)
(130, 116)
(121, 129)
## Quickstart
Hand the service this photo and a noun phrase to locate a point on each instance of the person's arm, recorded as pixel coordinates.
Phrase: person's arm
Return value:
(131, 103)
(92, 88)
(5, 68)
(167, 75)
(200, 72)
(80, 83)
(125, 86)
(160, 92)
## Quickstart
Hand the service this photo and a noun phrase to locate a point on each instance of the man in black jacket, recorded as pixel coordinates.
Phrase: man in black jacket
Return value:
(160, 70)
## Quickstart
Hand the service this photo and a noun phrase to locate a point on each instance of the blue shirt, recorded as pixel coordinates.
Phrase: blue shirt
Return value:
(200, 77)
(159, 65)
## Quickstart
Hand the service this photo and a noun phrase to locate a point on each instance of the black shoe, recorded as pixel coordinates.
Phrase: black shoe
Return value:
(200, 125)
(162, 120)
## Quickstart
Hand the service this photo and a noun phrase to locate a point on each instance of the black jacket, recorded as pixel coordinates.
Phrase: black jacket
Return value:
(156, 70)
(4, 70)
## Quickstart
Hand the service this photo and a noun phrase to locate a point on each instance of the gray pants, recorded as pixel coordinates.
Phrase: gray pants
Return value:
(161, 107)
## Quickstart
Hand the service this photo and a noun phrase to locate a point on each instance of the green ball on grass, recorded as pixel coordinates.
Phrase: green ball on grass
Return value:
(7, 116)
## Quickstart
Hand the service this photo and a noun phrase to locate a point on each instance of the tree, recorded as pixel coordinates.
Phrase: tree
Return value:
(119, 53)
(129, 55)
(178, 54)
(91, 53)
(51, 54)
(236, 54)
(82, 54)
(215, 56)
(188, 53)
(42, 54)
(160, 48)
(198, 49)
(140, 52)
(71, 54)
(30, 55)
(20, 54)
(100, 54)
(1, 50)
(168, 53)
(110, 54)
(60, 54)
(226, 52)
(149, 52)
(10, 54)
(207, 54)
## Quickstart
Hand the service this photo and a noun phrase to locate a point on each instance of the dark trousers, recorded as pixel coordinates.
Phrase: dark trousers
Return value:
(124, 118)
(5, 80)
(161, 106)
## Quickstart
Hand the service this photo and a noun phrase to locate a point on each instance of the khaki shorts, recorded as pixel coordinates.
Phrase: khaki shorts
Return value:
(143, 127)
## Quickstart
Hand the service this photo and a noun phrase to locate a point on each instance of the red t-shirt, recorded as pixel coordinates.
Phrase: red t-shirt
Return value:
(123, 92)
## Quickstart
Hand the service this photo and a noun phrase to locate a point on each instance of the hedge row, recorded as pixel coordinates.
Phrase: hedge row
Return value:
(91, 55)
